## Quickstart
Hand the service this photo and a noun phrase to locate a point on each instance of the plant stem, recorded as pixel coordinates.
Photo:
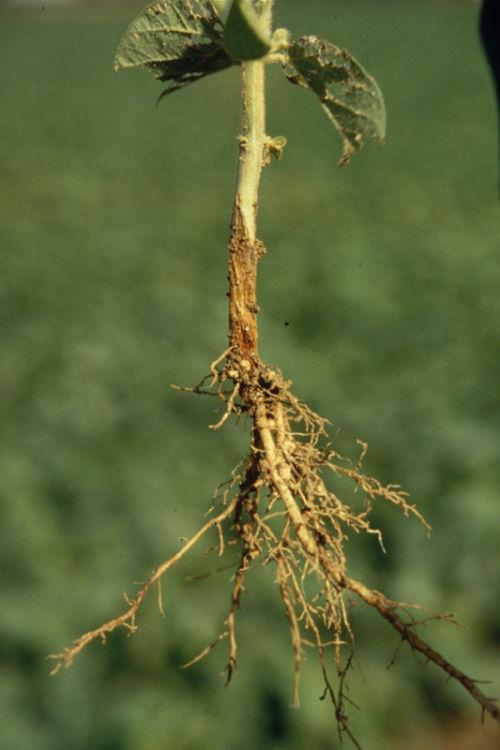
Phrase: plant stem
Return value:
(244, 247)
(252, 144)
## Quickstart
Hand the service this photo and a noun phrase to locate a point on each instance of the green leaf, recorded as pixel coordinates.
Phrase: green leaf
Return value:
(350, 96)
(244, 37)
(222, 7)
(180, 41)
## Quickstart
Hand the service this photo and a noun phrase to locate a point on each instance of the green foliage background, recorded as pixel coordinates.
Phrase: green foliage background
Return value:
(114, 221)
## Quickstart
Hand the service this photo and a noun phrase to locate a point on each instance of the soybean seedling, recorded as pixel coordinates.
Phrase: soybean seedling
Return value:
(278, 507)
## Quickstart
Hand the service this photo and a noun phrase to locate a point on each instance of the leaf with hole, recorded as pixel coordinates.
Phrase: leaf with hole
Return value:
(244, 36)
(180, 41)
(349, 95)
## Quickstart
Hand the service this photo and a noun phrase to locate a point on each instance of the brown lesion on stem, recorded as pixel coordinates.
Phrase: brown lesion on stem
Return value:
(244, 256)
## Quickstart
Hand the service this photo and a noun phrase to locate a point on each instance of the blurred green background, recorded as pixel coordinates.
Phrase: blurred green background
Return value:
(114, 222)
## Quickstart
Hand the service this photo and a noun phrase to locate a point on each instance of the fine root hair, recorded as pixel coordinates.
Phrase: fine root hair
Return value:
(288, 504)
